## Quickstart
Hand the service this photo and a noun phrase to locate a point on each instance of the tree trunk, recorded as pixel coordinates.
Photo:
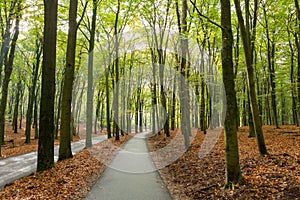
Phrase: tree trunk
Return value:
(57, 124)
(97, 112)
(8, 70)
(66, 127)
(46, 127)
(32, 89)
(251, 85)
(292, 79)
(298, 56)
(233, 173)
(184, 93)
(108, 128)
(35, 115)
(116, 98)
(16, 108)
(90, 92)
(271, 63)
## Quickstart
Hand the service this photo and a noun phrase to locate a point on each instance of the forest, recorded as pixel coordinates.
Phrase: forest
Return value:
(214, 84)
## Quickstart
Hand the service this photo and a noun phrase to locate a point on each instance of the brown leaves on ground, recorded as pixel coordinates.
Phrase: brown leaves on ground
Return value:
(69, 179)
(276, 176)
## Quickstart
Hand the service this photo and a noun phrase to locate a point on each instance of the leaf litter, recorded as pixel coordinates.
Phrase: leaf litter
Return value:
(275, 176)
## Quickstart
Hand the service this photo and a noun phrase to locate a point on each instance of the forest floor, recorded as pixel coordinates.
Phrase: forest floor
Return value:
(275, 176)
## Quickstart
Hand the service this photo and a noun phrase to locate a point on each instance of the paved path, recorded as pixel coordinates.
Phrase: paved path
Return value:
(131, 175)
(16, 167)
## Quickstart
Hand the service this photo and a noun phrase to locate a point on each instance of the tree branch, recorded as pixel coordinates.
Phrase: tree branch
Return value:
(83, 12)
(205, 17)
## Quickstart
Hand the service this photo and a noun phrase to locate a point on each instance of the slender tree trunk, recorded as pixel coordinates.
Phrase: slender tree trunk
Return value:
(66, 127)
(21, 109)
(35, 115)
(271, 63)
(116, 99)
(58, 115)
(46, 127)
(202, 106)
(154, 93)
(250, 78)
(108, 128)
(141, 116)
(8, 70)
(250, 120)
(16, 108)
(292, 79)
(184, 93)
(173, 109)
(97, 112)
(32, 89)
(298, 56)
(233, 173)
(90, 92)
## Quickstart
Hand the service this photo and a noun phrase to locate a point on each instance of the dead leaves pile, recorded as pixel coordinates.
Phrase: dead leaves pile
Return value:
(69, 179)
(276, 176)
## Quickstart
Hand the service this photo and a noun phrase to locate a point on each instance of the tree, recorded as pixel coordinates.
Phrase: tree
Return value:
(251, 85)
(8, 63)
(233, 172)
(32, 88)
(184, 65)
(65, 150)
(46, 127)
(90, 91)
(298, 56)
(116, 64)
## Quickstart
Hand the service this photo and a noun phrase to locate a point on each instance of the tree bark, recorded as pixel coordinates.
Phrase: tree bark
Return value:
(16, 108)
(32, 89)
(298, 56)
(8, 70)
(233, 173)
(271, 63)
(90, 92)
(251, 85)
(184, 93)
(65, 150)
(46, 127)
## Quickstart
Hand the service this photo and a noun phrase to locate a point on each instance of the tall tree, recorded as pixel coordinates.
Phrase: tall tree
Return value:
(271, 67)
(8, 63)
(116, 64)
(233, 172)
(16, 107)
(90, 91)
(65, 150)
(184, 93)
(298, 56)
(46, 127)
(250, 79)
(32, 88)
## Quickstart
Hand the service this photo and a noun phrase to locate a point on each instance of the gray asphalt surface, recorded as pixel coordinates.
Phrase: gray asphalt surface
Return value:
(131, 176)
(16, 167)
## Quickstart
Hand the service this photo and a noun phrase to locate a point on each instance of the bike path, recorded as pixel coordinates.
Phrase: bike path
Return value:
(16, 167)
(132, 175)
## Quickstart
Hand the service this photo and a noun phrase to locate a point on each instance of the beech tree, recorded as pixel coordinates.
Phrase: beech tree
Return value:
(233, 172)
(65, 150)
(250, 79)
(46, 127)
